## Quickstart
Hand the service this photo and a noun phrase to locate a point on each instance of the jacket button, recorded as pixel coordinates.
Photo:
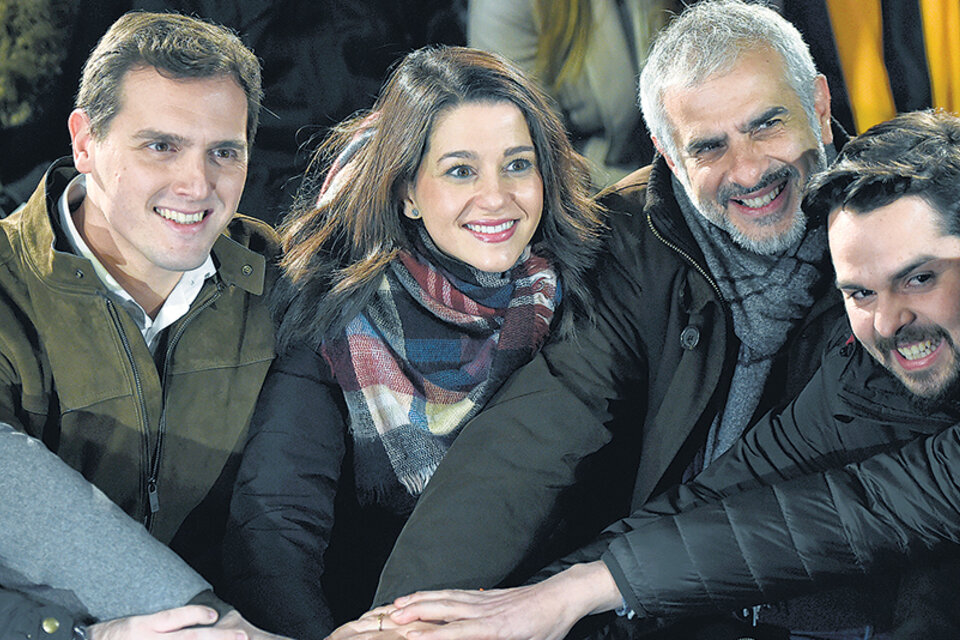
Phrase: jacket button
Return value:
(50, 625)
(78, 273)
(246, 269)
(689, 337)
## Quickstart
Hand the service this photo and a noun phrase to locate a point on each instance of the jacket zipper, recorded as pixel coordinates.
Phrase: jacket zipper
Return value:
(138, 384)
(153, 481)
(686, 256)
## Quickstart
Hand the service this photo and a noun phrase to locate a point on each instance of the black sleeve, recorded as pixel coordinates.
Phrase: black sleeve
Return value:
(282, 510)
(792, 537)
(22, 616)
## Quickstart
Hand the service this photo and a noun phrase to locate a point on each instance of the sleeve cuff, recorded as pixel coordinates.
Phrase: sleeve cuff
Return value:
(208, 598)
(631, 605)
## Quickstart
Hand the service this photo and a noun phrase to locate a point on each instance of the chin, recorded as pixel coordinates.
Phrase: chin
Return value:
(767, 241)
(495, 265)
(933, 397)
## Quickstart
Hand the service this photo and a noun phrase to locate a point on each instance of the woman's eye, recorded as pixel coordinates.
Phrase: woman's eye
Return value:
(519, 164)
(460, 171)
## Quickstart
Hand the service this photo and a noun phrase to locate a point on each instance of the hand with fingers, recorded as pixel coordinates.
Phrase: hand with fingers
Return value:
(183, 623)
(172, 624)
(543, 611)
(377, 624)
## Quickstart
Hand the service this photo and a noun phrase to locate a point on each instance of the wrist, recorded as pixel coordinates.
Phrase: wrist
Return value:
(589, 588)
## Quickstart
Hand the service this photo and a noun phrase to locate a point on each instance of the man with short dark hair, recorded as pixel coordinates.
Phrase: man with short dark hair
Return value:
(860, 468)
(133, 334)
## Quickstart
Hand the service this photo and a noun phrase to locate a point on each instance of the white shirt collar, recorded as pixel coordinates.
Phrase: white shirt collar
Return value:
(174, 307)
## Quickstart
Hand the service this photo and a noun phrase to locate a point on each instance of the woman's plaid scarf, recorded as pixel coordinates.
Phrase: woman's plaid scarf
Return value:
(428, 353)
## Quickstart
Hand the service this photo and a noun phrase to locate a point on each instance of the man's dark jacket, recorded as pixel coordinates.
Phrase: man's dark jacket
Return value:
(850, 475)
(160, 436)
(653, 371)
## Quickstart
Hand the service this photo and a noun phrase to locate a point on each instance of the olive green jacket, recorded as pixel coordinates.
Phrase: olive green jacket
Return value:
(154, 433)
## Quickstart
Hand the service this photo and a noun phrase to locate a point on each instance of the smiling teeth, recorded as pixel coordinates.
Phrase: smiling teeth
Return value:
(919, 349)
(178, 217)
(756, 203)
(485, 228)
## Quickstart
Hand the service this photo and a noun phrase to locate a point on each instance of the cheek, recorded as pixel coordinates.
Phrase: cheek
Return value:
(861, 322)
(704, 181)
(436, 202)
(230, 185)
(949, 310)
(534, 198)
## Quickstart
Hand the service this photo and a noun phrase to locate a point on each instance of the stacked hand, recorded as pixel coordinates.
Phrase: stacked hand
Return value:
(378, 624)
(180, 624)
(544, 611)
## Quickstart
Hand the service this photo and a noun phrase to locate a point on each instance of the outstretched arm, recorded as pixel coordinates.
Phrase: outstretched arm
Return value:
(60, 532)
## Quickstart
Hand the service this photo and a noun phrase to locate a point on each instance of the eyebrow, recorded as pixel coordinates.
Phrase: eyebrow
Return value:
(159, 136)
(902, 273)
(470, 154)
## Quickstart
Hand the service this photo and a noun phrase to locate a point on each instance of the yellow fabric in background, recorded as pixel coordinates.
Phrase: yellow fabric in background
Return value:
(858, 32)
(941, 34)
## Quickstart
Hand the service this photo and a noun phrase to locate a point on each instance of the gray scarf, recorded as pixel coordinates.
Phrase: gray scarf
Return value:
(767, 296)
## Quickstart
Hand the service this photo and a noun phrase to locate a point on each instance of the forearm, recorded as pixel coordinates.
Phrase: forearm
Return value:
(60, 531)
(793, 537)
(506, 472)
(589, 588)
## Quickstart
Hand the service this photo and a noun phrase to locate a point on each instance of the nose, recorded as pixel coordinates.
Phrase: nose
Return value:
(748, 164)
(891, 315)
(491, 192)
(193, 177)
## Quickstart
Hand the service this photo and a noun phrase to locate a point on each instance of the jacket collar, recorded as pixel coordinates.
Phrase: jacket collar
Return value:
(47, 254)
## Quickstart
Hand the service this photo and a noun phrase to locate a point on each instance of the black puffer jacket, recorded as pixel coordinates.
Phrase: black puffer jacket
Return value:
(846, 476)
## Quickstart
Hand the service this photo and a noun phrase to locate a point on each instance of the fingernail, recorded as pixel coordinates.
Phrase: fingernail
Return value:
(211, 615)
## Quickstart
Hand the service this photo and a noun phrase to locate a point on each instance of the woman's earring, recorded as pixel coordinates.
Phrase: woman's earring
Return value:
(415, 214)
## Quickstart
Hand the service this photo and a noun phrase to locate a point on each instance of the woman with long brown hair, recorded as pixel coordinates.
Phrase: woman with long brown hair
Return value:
(426, 259)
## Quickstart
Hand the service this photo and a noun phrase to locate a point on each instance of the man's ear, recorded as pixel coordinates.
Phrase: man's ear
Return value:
(663, 152)
(821, 106)
(81, 140)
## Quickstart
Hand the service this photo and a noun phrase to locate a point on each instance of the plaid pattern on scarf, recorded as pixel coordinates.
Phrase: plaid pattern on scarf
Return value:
(430, 350)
